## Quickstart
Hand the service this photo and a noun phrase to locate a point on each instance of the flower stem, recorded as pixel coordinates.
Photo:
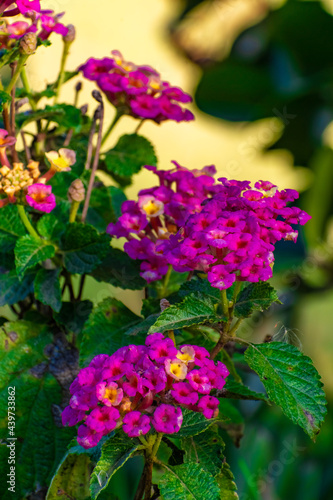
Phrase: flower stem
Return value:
(26, 222)
(61, 76)
(21, 62)
(237, 289)
(113, 123)
(233, 330)
(26, 85)
(225, 303)
(166, 282)
(73, 210)
(95, 164)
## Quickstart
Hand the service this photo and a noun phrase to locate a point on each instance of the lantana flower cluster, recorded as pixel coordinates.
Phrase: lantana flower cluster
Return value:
(143, 387)
(159, 212)
(233, 237)
(138, 91)
(25, 184)
(41, 22)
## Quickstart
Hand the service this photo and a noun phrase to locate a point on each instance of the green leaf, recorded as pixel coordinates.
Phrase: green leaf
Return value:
(115, 453)
(103, 333)
(74, 315)
(137, 334)
(188, 482)
(235, 390)
(194, 423)
(129, 155)
(84, 249)
(11, 227)
(30, 251)
(13, 290)
(226, 482)
(52, 226)
(195, 309)
(206, 449)
(4, 97)
(22, 346)
(71, 479)
(199, 285)
(65, 115)
(47, 288)
(104, 207)
(291, 381)
(119, 270)
(256, 296)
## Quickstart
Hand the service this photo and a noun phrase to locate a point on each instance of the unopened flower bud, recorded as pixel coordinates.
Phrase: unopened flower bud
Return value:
(84, 109)
(28, 43)
(97, 95)
(164, 304)
(76, 191)
(70, 37)
(78, 87)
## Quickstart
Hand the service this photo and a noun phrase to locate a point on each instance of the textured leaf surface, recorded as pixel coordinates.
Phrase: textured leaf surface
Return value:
(199, 285)
(256, 296)
(11, 227)
(115, 452)
(188, 482)
(226, 482)
(194, 423)
(103, 333)
(118, 269)
(52, 226)
(194, 309)
(12, 289)
(235, 390)
(21, 347)
(104, 207)
(129, 155)
(71, 479)
(29, 251)
(47, 288)
(84, 249)
(291, 381)
(74, 315)
(206, 449)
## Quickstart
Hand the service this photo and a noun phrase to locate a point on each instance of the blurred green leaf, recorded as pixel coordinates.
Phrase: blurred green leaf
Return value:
(13, 290)
(47, 288)
(206, 449)
(129, 155)
(71, 479)
(103, 333)
(105, 203)
(118, 269)
(73, 315)
(11, 227)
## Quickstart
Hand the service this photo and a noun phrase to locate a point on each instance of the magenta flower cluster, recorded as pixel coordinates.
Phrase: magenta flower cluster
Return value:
(141, 387)
(138, 91)
(159, 212)
(44, 22)
(233, 237)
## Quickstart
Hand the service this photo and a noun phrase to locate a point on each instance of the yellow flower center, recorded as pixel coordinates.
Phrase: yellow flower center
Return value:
(151, 208)
(111, 395)
(178, 370)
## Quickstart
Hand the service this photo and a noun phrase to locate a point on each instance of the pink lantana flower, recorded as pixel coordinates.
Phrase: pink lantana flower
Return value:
(41, 197)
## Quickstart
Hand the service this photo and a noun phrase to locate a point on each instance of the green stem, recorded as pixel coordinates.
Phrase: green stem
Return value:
(21, 62)
(26, 85)
(113, 123)
(73, 210)
(233, 330)
(157, 444)
(166, 282)
(26, 222)
(237, 289)
(225, 303)
(61, 76)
